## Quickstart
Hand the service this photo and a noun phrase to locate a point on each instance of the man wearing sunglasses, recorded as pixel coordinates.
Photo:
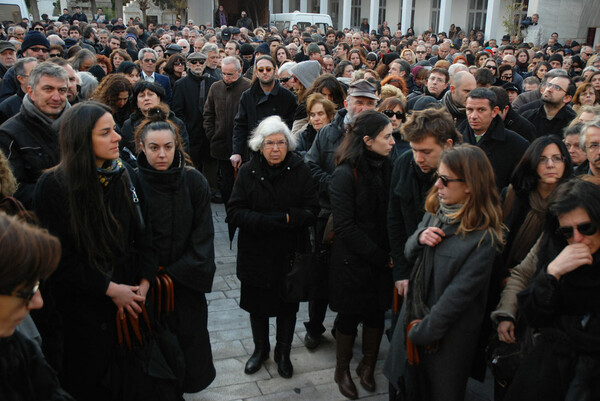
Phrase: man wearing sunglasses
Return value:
(148, 58)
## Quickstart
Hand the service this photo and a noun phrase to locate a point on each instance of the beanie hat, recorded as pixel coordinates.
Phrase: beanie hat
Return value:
(70, 42)
(307, 72)
(130, 35)
(34, 38)
(97, 72)
(264, 49)
(313, 48)
(388, 58)
(556, 57)
(246, 49)
(426, 102)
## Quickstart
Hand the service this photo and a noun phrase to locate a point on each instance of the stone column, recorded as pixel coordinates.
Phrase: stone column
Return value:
(493, 29)
(374, 14)
(445, 15)
(323, 7)
(285, 6)
(406, 12)
(346, 9)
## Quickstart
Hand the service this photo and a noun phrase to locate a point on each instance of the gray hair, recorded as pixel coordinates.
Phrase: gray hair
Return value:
(531, 81)
(557, 72)
(20, 65)
(590, 68)
(456, 68)
(232, 60)
(147, 50)
(89, 83)
(47, 69)
(584, 129)
(80, 57)
(209, 47)
(286, 67)
(55, 40)
(270, 126)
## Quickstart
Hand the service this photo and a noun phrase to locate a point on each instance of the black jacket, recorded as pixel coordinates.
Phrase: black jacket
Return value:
(515, 122)
(306, 137)
(410, 103)
(503, 147)
(261, 197)
(11, 106)
(183, 235)
(543, 126)
(31, 146)
(187, 107)
(359, 277)
(409, 188)
(255, 106)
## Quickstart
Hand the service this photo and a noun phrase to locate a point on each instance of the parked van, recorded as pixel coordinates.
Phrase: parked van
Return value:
(13, 10)
(301, 20)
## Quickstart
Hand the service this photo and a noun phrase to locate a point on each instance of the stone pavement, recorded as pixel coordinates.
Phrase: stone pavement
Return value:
(232, 345)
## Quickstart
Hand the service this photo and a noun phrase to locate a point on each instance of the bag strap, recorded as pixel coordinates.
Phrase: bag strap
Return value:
(135, 200)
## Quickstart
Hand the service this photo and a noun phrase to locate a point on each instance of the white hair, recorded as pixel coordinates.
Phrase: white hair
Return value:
(89, 83)
(595, 123)
(456, 68)
(147, 50)
(232, 60)
(55, 40)
(270, 126)
(286, 67)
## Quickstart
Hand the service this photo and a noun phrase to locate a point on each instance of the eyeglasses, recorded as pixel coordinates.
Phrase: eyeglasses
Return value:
(149, 60)
(194, 62)
(445, 180)
(263, 69)
(588, 54)
(399, 115)
(230, 74)
(178, 63)
(284, 80)
(278, 144)
(27, 295)
(556, 159)
(39, 29)
(420, 52)
(506, 77)
(52, 55)
(593, 147)
(39, 49)
(490, 67)
(588, 228)
(555, 87)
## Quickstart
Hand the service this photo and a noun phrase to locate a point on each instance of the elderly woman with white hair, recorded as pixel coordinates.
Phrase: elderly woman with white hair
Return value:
(274, 202)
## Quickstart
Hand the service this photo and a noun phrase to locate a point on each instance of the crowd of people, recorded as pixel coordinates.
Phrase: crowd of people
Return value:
(449, 178)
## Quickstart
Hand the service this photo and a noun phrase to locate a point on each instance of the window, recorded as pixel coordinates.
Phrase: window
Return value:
(381, 17)
(314, 6)
(355, 13)
(334, 9)
(477, 15)
(435, 15)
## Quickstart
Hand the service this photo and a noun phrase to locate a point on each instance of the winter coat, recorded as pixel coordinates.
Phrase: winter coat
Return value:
(515, 122)
(457, 278)
(409, 188)
(320, 157)
(186, 105)
(220, 109)
(11, 106)
(261, 197)
(360, 276)
(503, 147)
(245, 22)
(179, 208)
(255, 106)
(79, 289)
(543, 126)
(305, 137)
(31, 146)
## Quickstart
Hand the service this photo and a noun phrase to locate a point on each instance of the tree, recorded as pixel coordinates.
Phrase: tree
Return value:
(512, 18)
(179, 5)
(35, 11)
(144, 6)
(118, 8)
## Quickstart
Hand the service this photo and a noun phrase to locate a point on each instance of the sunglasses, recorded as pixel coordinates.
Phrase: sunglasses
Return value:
(39, 49)
(284, 80)
(27, 295)
(490, 67)
(263, 69)
(149, 60)
(194, 62)
(588, 228)
(54, 55)
(445, 180)
(178, 63)
(399, 115)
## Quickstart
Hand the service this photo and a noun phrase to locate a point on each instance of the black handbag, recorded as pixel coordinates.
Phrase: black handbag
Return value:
(297, 282)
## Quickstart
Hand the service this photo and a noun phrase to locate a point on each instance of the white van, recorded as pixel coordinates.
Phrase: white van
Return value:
(13, 10)
(301, 20)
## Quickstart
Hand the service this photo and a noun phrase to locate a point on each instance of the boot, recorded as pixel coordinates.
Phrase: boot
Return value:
(285, 335)
(344, 344)
(260, 335)
(370, 348)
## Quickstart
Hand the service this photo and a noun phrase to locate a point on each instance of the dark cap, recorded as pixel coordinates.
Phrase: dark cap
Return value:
(263, 49)
(173, 49)
(34, 38)
(118, 28)
(235, 30)
(509, 86)
(226, 34)
(246, 49)
(506, 38)
(313, 48)
(556, 57)
(196, 56)
(363, 88)
(6, 45)
(307, 39)
(574, 44)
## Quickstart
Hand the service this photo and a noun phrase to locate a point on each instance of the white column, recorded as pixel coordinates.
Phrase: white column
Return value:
(445, 15)
(492, 28)
(303, 6)
(285, 6)
(270, 6)
(374, 14)
(406, 12)
(323, 6)
(346, 8)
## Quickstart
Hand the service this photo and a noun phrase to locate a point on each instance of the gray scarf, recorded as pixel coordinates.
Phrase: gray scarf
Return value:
(32, 110)
(446, 213)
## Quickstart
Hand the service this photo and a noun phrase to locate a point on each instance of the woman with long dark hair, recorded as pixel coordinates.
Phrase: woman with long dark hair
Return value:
(90, 203)
(175, 68)
(178, 198)
(115, 92)
(360, 278)
(454, 247)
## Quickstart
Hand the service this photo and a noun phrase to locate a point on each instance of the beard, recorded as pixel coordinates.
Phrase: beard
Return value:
(268, 81)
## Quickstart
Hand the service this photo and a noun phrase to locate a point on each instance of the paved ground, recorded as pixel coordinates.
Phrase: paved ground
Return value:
(231, 339)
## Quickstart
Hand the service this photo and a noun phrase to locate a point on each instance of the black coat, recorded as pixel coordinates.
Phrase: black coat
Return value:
(79, 290)
(183, 234)
(261, 197)
(503, 147)
(306, 137)
(187, 107)
(11, 106)
(359, 277)
(31, 146)
(516, 122)
(255, 106)
(543, 126)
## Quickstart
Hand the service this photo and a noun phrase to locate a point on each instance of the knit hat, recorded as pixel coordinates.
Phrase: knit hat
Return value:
(264, 49)
(388, 58)
(70, 42)
(426, 102)
(130, 35)
(556, 57)
(313, 48)
(34, 38)
(97, 72)
(246, 49)
(307, 72)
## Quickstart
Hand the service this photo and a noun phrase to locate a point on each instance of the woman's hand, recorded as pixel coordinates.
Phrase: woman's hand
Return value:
(431, 236)
(506, 332)
(126, 298)
(572, 257)
(144, 287)
(402, 287)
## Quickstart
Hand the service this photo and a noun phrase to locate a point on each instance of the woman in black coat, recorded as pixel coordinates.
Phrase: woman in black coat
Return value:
(274, 201)
(178, 198)
(90, 203)
(360, 277)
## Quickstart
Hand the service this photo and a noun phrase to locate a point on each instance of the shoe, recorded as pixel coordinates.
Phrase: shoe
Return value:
(256, 360)
(260, 336)
(344, 344)
(311, 342)
(366, 367)
(216, 198)
(284, 364)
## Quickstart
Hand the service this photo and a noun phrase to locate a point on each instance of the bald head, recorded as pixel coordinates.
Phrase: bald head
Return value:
(461, 84)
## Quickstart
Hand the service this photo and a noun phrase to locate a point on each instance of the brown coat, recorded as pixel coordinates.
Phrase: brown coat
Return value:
(220, 109)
